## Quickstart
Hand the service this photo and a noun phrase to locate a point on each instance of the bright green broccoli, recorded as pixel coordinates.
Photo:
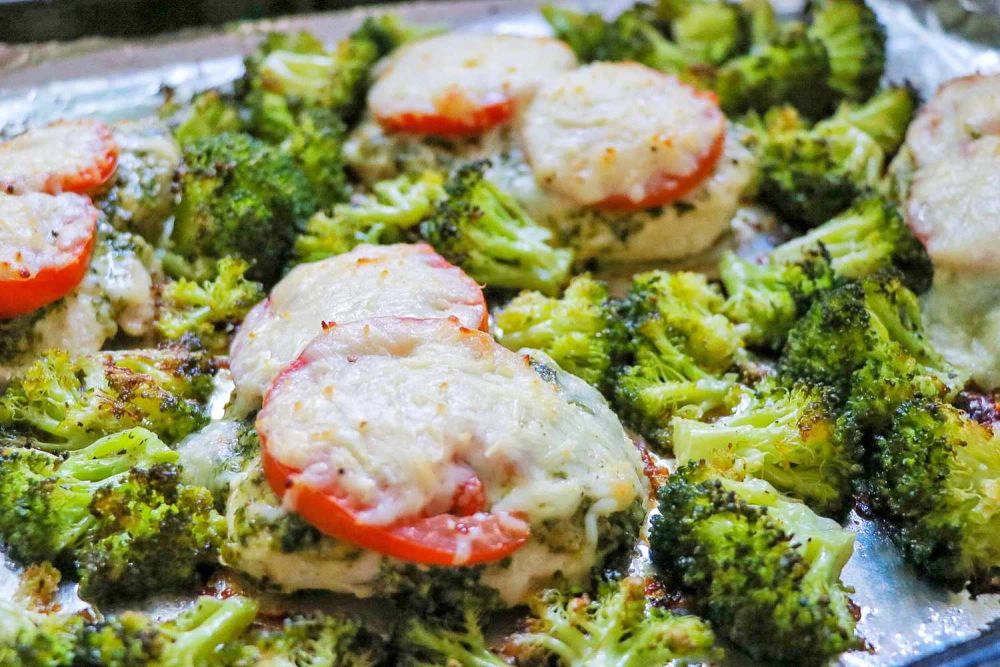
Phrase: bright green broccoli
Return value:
(766, 299)
(855, 43)
(429, 643)
(47, 498)
(763, 568)
(151, 534)
(486, 232)
(865, 341)
(809, 174)
(579, 330)
(884, 117)
(709, 32)
(209, 113)
(29, 639)
(206, 313)
(243, 198)
(863, 240)
(935, 474)
(794, 439)
(387, 215)
(64, 403)
(308, 641)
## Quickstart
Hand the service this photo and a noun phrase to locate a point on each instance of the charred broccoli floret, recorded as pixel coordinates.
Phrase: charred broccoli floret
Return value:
(865, 341)
(809, 174)
(580, 330)
(867, 238)
(47, 498)
(208, 311)
(486, 232)
(934, 476)
(243, 198)
(64, 403)
(766, 299)
(150, 535)
(761, 567)
(855, 43)
(794, 439)
(387, 215)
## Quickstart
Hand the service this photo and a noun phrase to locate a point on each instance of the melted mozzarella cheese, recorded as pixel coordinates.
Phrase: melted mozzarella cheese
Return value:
(615, 129)
(454, 75)
(370, 281)
(962, 110)
(39, 159)
(39, 231)
(396, 412)
(962, 320)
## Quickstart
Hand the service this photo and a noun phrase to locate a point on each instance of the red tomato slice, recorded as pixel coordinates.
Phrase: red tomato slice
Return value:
(442, 539)
(66, 156)
(457, 117)
(45, 246)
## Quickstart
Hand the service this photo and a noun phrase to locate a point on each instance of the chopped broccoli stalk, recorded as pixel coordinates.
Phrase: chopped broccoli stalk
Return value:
(934, 475)
(425, 644)
(763, 568)
(866, 342)
(618, 628)
(767, 299)
(208, 114)
(243, 198)
(855, 42)
(387, 215)
(151, 535)
(486, 232)
(793, 439)
(209, 311)
(865, 239)
(579, 331)
(48, 497)
(63, 403)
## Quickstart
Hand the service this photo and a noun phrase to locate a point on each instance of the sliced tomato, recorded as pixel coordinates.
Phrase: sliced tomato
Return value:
(66, 156)
(457, 117)
(45, 247)
(447, 539)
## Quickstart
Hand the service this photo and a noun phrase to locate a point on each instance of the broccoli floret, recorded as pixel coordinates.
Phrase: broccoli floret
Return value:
(208, 114)
(617, 628)
(709, 32)
(863, 240)
(580, 331)
(766, 299)
(63, 403)
(151, 535)
(865, 341)
(762, 567)
(855, 42)
(387, 215)
(884, 117)
(679, 351)
(934, 476)
(209, 311)
(47, 497)
(794, 439)
(486, 232)
(39, 587)
(308, 641)
(243, 198)
(429, 643)
(316, 144)
(28, 639)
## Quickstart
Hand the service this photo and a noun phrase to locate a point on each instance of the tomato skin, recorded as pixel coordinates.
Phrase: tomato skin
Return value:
(425, 540)
(22, 294)
(470, 122)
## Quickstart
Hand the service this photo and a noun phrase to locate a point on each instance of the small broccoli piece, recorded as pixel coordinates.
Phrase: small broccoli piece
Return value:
(63, 403)
(762, 567)
(934, 475)
(208, 114)
(865, 341)
(793, 439)
(486, 232)
(428, 643)
(308, 641)
(618, 628)
(243, 198)
(579, 331)
(855, 42)
(387, 215)
(39, 587)
(47, 497)
(767, 299)
(863, 240)
(151, 535)
(208, 311)
(680, 349)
